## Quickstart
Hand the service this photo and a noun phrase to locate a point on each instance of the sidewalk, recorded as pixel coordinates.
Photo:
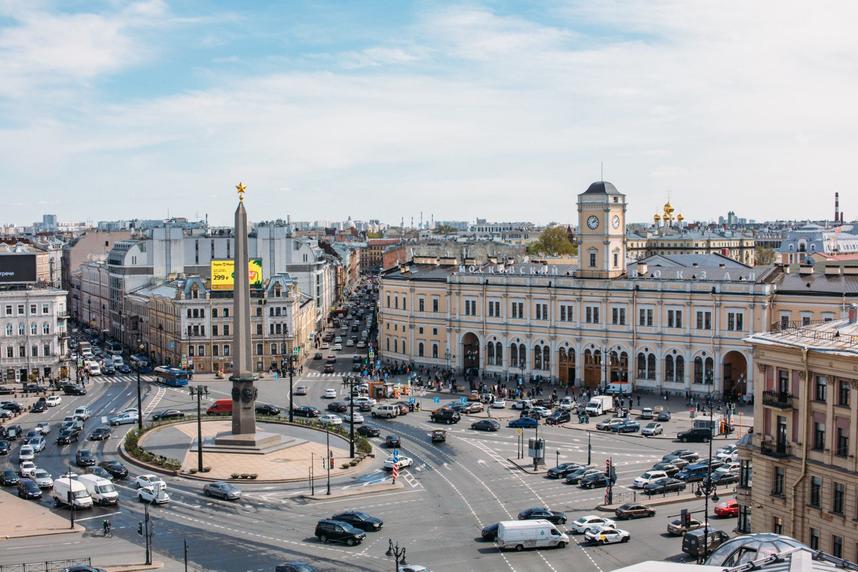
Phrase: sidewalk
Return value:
(23, 518)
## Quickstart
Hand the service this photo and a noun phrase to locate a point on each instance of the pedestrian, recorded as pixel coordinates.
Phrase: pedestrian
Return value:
(639, 400)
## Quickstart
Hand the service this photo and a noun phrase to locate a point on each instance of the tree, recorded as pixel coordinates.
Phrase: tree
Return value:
(553, 241)
(445, 229)
(764, 255)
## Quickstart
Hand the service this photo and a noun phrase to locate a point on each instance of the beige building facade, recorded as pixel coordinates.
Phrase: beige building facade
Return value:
(674, 323)
(802, 453)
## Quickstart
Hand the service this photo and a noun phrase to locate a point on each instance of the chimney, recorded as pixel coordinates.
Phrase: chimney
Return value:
(853, 313)
(836, 207)
(805, 270)
(832, 271)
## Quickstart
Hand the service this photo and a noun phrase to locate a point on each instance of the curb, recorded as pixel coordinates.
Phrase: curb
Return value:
(642, 499)
(133, 567)
(360, 491)
(527, 468)
(77, 528)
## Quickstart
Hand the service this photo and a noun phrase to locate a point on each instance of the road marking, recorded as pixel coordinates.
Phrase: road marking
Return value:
(153, 403)
(99, 516)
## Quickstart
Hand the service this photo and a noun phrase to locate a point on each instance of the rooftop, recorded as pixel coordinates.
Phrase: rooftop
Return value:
(838, 336)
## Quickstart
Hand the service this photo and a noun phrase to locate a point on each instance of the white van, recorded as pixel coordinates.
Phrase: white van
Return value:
(385, 410)
(93, 368)
(521, 534)
(79, 494)
(83, 412)
(568, 404)
(100, 489)
(600, 404)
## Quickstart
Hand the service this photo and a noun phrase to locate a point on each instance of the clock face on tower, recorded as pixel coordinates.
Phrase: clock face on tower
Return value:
(593, 222)
(615, 222)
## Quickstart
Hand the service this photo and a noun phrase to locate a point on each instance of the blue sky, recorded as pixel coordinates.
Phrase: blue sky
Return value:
(501, 110)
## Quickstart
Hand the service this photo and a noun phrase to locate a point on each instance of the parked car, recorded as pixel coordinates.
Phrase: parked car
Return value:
(543, 513)
(627, 426)
(695, 435)
(663, 417)
(368, 431)
(558, 417)
(646, 413)
(498, 404)
(490, 532)
(523, 423)
(485, 425)
(561, 470)
(677, 528)
(360, 520)
(223, 490)
(594, 481)
(608, 424)
(633, 510)
(652, 429)
(306, 411)
(665, 485)
(328, 530)
(606, 535)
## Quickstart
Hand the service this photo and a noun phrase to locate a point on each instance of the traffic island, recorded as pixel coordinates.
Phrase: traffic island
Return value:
(23, 518)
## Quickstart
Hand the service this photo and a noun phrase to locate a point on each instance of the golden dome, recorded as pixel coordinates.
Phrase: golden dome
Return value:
(679, 217)
(668, 209)
(656, 218)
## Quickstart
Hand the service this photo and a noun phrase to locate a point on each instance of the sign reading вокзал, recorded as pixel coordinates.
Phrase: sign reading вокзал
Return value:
(223, 274)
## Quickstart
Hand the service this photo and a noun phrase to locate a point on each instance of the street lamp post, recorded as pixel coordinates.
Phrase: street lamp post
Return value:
(352, 416)
(139, 391)
(705, 488)
(199, 392)
(330, 459)
(396, 552)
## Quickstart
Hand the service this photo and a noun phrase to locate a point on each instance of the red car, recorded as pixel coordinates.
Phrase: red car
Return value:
(727, 509)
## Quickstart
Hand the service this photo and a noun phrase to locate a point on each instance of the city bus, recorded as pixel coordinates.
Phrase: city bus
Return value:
(172, 376)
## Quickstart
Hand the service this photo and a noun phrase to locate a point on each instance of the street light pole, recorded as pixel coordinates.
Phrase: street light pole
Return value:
(328, 463)
(198, 392)
(139, 391)
(706, 488)
(397, 553)
(352, 420)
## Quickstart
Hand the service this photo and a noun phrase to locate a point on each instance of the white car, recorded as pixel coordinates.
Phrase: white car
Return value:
(350, 343)
(338, 347)
(401, 463)
(498, 404)
(361, 344)
(607, 535)
(38, 443)
(651, 429)
(148, 480)
(330, 419)
(726, 451)
(82, 412)
(543, 411)
(53, 400)
(300, 390)
(43, 479)
(67, 475)
(647, 478)
(357, 418)
(522, 404)
(338, 340)
(26, 453)
(27, 468)
(330, 393)
(153, 495)
(584, 523)
(44, 427)
(325, 346)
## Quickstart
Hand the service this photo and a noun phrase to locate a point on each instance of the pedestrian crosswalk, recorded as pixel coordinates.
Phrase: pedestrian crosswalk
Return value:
(328, 375)
(100, 379)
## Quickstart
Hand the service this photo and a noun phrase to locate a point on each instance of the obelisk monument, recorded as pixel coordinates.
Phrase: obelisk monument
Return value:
(242, 378)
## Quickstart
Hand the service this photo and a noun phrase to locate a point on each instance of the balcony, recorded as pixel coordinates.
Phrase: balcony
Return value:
(779, 399)
(776, 450)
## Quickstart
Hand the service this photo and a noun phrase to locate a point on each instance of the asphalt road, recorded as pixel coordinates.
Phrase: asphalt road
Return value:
(452, 490)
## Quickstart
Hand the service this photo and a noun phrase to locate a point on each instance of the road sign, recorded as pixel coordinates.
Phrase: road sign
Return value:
(436, 399)
(519, 430)
(463, 399)
(412, 400)
(378, 364)
(395, 455)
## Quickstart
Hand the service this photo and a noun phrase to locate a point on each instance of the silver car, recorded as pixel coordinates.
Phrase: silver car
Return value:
(652, 429)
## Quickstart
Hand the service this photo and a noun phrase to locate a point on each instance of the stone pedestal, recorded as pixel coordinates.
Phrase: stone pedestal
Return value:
(243, 405)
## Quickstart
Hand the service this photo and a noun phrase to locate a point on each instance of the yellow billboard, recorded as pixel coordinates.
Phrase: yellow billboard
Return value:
(223, 274)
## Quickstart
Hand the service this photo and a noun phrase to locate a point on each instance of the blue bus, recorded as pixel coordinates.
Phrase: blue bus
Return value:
(172, 376)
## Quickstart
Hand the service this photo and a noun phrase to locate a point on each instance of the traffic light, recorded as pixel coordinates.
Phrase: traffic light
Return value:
(685, 517)
(140, 528)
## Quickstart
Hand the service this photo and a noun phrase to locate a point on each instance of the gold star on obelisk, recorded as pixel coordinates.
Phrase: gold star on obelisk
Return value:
(241, 190)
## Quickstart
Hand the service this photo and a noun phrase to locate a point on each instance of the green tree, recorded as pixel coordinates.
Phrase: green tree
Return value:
(554, 241)
(764, 255)
(445, 229)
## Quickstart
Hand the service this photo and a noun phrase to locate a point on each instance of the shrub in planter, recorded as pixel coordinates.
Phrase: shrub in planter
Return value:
(235, 476)
(252, 475)
(193, 471)
(354, 462)
(245, 476)
(345, 466)
(206, 469)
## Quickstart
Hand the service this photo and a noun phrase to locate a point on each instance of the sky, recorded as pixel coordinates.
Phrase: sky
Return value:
(499, 110)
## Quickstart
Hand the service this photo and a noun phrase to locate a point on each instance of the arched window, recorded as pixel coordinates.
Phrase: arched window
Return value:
(33, 329)
(624, 366)
(420, 349)
(513, 355)
(680, 369)
(650, 366)
(387, 342)
(641, 365)
(46, 328)
(490, 353)
(522, 356)
(668, 368)
(546, 358)
(537, 357)
(698, 369)
(498, 353)
(435, 351)
(710, 370)
(395, 345)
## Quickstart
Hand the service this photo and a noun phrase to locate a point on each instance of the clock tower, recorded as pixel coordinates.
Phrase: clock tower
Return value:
(601, 232)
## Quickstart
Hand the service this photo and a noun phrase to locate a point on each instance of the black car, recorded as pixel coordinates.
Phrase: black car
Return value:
(663, 416)
(100, 434)
(73, 389)
(306, 411)
(109, 370)
(695, 435)
(627, 426)
(724, 478)
(12, 406)
(668, 468)
(115, 468)
(28, 489)
(68, 436)
(337, 531)
(368, 431)
(558, 417)
(337, 407)
(295, 566)
(542, 513)
(14, 432)
(665, 485)
(360, 520)
(684, 454)
(123, 369)
(83, 568)
(9, 478)
(4, 447)
(561, 470)
(171, 414)
(99, 472)
(317, 355)
(39, 407)
(392, 442)
(490, 532)
(267, 409)
(445, 415)
(594, 481)
(485, 425)
(84, 458)
(575, 476)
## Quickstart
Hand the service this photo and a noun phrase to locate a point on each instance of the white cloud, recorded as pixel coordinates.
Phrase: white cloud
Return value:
(470, 113)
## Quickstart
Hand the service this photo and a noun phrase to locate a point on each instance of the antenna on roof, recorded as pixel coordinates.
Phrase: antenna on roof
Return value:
(602, 171)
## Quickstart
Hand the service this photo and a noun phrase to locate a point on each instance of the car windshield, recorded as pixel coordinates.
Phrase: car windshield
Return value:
(81, 494)
(105, 488)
